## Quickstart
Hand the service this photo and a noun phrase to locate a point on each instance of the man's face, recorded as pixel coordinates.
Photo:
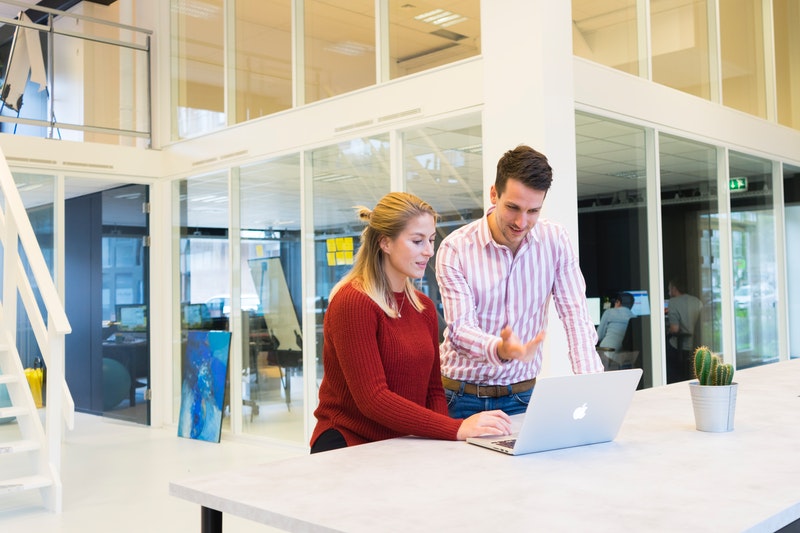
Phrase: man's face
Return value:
(516, 212)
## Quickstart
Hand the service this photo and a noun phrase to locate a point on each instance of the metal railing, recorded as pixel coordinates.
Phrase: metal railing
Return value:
(108, 94)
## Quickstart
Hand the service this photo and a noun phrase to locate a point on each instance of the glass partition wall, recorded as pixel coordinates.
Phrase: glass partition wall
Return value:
(232, 60)
(612, 222)
(754, 260)
(690, 236)
(791, 198)
(204, 262)
(613, 183)
(271, 325)
(740, 53)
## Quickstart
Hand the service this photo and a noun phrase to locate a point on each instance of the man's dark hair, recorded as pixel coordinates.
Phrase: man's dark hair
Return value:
(526, 165)
(679, 284)
(625, 299)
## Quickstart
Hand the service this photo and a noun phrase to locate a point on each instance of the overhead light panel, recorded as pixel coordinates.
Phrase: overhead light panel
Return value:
(441, 18)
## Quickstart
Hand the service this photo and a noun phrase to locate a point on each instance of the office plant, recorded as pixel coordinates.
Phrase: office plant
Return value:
(709, 368)
(714, 392)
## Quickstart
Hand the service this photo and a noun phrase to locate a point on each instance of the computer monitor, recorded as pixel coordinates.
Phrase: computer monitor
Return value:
(131, 317)
(641, 303)
(594, 309)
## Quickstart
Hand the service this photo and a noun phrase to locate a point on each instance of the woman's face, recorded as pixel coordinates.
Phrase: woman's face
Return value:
(407, 255)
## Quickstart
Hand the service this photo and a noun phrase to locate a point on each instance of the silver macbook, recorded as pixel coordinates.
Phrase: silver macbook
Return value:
(568, 411)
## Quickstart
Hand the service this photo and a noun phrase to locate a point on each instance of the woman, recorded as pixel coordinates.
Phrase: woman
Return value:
(381, 340)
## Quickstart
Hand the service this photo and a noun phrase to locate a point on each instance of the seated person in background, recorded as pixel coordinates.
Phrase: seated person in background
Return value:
(682, 314)
(614, 322)
(381, 340)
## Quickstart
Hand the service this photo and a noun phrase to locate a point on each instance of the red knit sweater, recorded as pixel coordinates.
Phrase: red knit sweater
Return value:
(382, 377)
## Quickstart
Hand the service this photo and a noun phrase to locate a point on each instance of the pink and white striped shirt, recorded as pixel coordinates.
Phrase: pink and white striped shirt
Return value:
(485, 287)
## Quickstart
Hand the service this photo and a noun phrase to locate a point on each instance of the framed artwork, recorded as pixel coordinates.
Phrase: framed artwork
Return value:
(205, 370)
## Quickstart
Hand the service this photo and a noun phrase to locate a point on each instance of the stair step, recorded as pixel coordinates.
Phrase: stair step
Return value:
(24, 483)
(18, 446)
(8, 378)
(6, 412)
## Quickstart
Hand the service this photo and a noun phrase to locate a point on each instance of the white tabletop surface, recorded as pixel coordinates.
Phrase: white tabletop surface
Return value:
(660, 474)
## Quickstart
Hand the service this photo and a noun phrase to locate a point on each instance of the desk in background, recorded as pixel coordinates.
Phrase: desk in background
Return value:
(660, 474)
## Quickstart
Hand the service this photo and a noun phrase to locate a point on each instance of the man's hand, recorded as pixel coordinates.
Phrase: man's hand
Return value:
(511, 347)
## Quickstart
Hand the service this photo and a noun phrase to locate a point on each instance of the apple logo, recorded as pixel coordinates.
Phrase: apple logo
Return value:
(579, 412)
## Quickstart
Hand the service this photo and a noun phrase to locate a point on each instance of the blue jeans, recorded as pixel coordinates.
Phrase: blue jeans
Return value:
(461, 405)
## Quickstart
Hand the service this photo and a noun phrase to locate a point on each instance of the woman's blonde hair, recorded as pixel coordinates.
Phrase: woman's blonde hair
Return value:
(388, 219)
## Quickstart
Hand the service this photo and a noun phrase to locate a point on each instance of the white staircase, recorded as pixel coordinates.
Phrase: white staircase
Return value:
(30, 451)
(23, 464)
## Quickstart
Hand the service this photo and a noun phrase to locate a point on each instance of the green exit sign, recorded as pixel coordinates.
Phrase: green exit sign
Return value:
(737, 184)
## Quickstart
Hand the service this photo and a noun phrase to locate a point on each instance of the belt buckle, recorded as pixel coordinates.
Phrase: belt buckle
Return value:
(478, 391)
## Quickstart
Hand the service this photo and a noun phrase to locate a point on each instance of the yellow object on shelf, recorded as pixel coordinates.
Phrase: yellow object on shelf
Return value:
(35, 376)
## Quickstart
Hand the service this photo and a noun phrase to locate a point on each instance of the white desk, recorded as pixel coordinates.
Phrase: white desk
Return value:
(660, 474)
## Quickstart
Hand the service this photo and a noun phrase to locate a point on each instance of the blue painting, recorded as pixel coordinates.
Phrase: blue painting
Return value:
(205, 370)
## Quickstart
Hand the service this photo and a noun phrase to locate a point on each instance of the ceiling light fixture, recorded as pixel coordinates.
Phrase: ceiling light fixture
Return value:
(350, 48)
(441, 18)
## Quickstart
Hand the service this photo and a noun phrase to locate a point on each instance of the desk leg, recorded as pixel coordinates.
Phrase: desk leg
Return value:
(210, 520)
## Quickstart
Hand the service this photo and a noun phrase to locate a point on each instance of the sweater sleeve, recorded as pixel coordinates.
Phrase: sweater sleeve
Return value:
(358, 329)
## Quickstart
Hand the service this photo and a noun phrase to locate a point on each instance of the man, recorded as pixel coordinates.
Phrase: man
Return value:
(683, 311)
(614, 322)
(496, 277)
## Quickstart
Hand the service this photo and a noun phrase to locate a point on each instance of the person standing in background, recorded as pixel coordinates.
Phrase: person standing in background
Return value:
(683, 312)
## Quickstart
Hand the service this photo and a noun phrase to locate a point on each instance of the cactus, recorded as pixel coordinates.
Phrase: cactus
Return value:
(709, 368)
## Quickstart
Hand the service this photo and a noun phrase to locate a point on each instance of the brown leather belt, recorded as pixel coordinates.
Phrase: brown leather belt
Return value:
(488, 391)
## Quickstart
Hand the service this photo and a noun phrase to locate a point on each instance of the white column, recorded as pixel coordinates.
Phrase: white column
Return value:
(528, 99)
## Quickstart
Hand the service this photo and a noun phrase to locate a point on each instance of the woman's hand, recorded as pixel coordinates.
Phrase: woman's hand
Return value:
(485, 423)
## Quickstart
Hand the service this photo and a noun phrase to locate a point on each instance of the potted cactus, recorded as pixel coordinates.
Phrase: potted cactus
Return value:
(714, 392)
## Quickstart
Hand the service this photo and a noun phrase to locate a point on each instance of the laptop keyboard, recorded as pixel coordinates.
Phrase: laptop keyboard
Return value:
(507, 443)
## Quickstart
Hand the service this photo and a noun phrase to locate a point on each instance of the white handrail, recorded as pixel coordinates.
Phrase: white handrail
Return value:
(57, 322)
(41, 274)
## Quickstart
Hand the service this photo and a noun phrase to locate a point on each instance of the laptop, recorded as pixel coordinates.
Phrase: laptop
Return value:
(566, 411)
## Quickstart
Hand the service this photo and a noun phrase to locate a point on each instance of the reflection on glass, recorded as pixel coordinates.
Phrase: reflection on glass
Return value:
(606, 32)
(339, 47)
(791, 197)
(204, 262)
(742, 50)
(424, 36)
(442, 164)
(272, 343)
(754, 264)
(612, 224)
(679, 37)
(198, 75)
(263, 58)
(344, 175)
(786, 17)
(38, 194)
(690, 237)
(122, 105)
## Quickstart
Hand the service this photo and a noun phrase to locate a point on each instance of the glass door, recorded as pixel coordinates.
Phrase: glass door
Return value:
(125, 312)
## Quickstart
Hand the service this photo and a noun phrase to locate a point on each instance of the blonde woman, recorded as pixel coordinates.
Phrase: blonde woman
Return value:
(381, 347)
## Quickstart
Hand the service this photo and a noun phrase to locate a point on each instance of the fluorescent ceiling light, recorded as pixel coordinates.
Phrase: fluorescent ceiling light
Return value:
(350, 48)
(440, 17)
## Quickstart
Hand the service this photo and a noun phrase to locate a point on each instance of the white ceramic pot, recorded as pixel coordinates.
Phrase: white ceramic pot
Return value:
(714, 406)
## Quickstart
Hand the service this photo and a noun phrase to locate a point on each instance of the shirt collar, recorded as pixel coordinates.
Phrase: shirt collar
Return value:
(485, 234)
